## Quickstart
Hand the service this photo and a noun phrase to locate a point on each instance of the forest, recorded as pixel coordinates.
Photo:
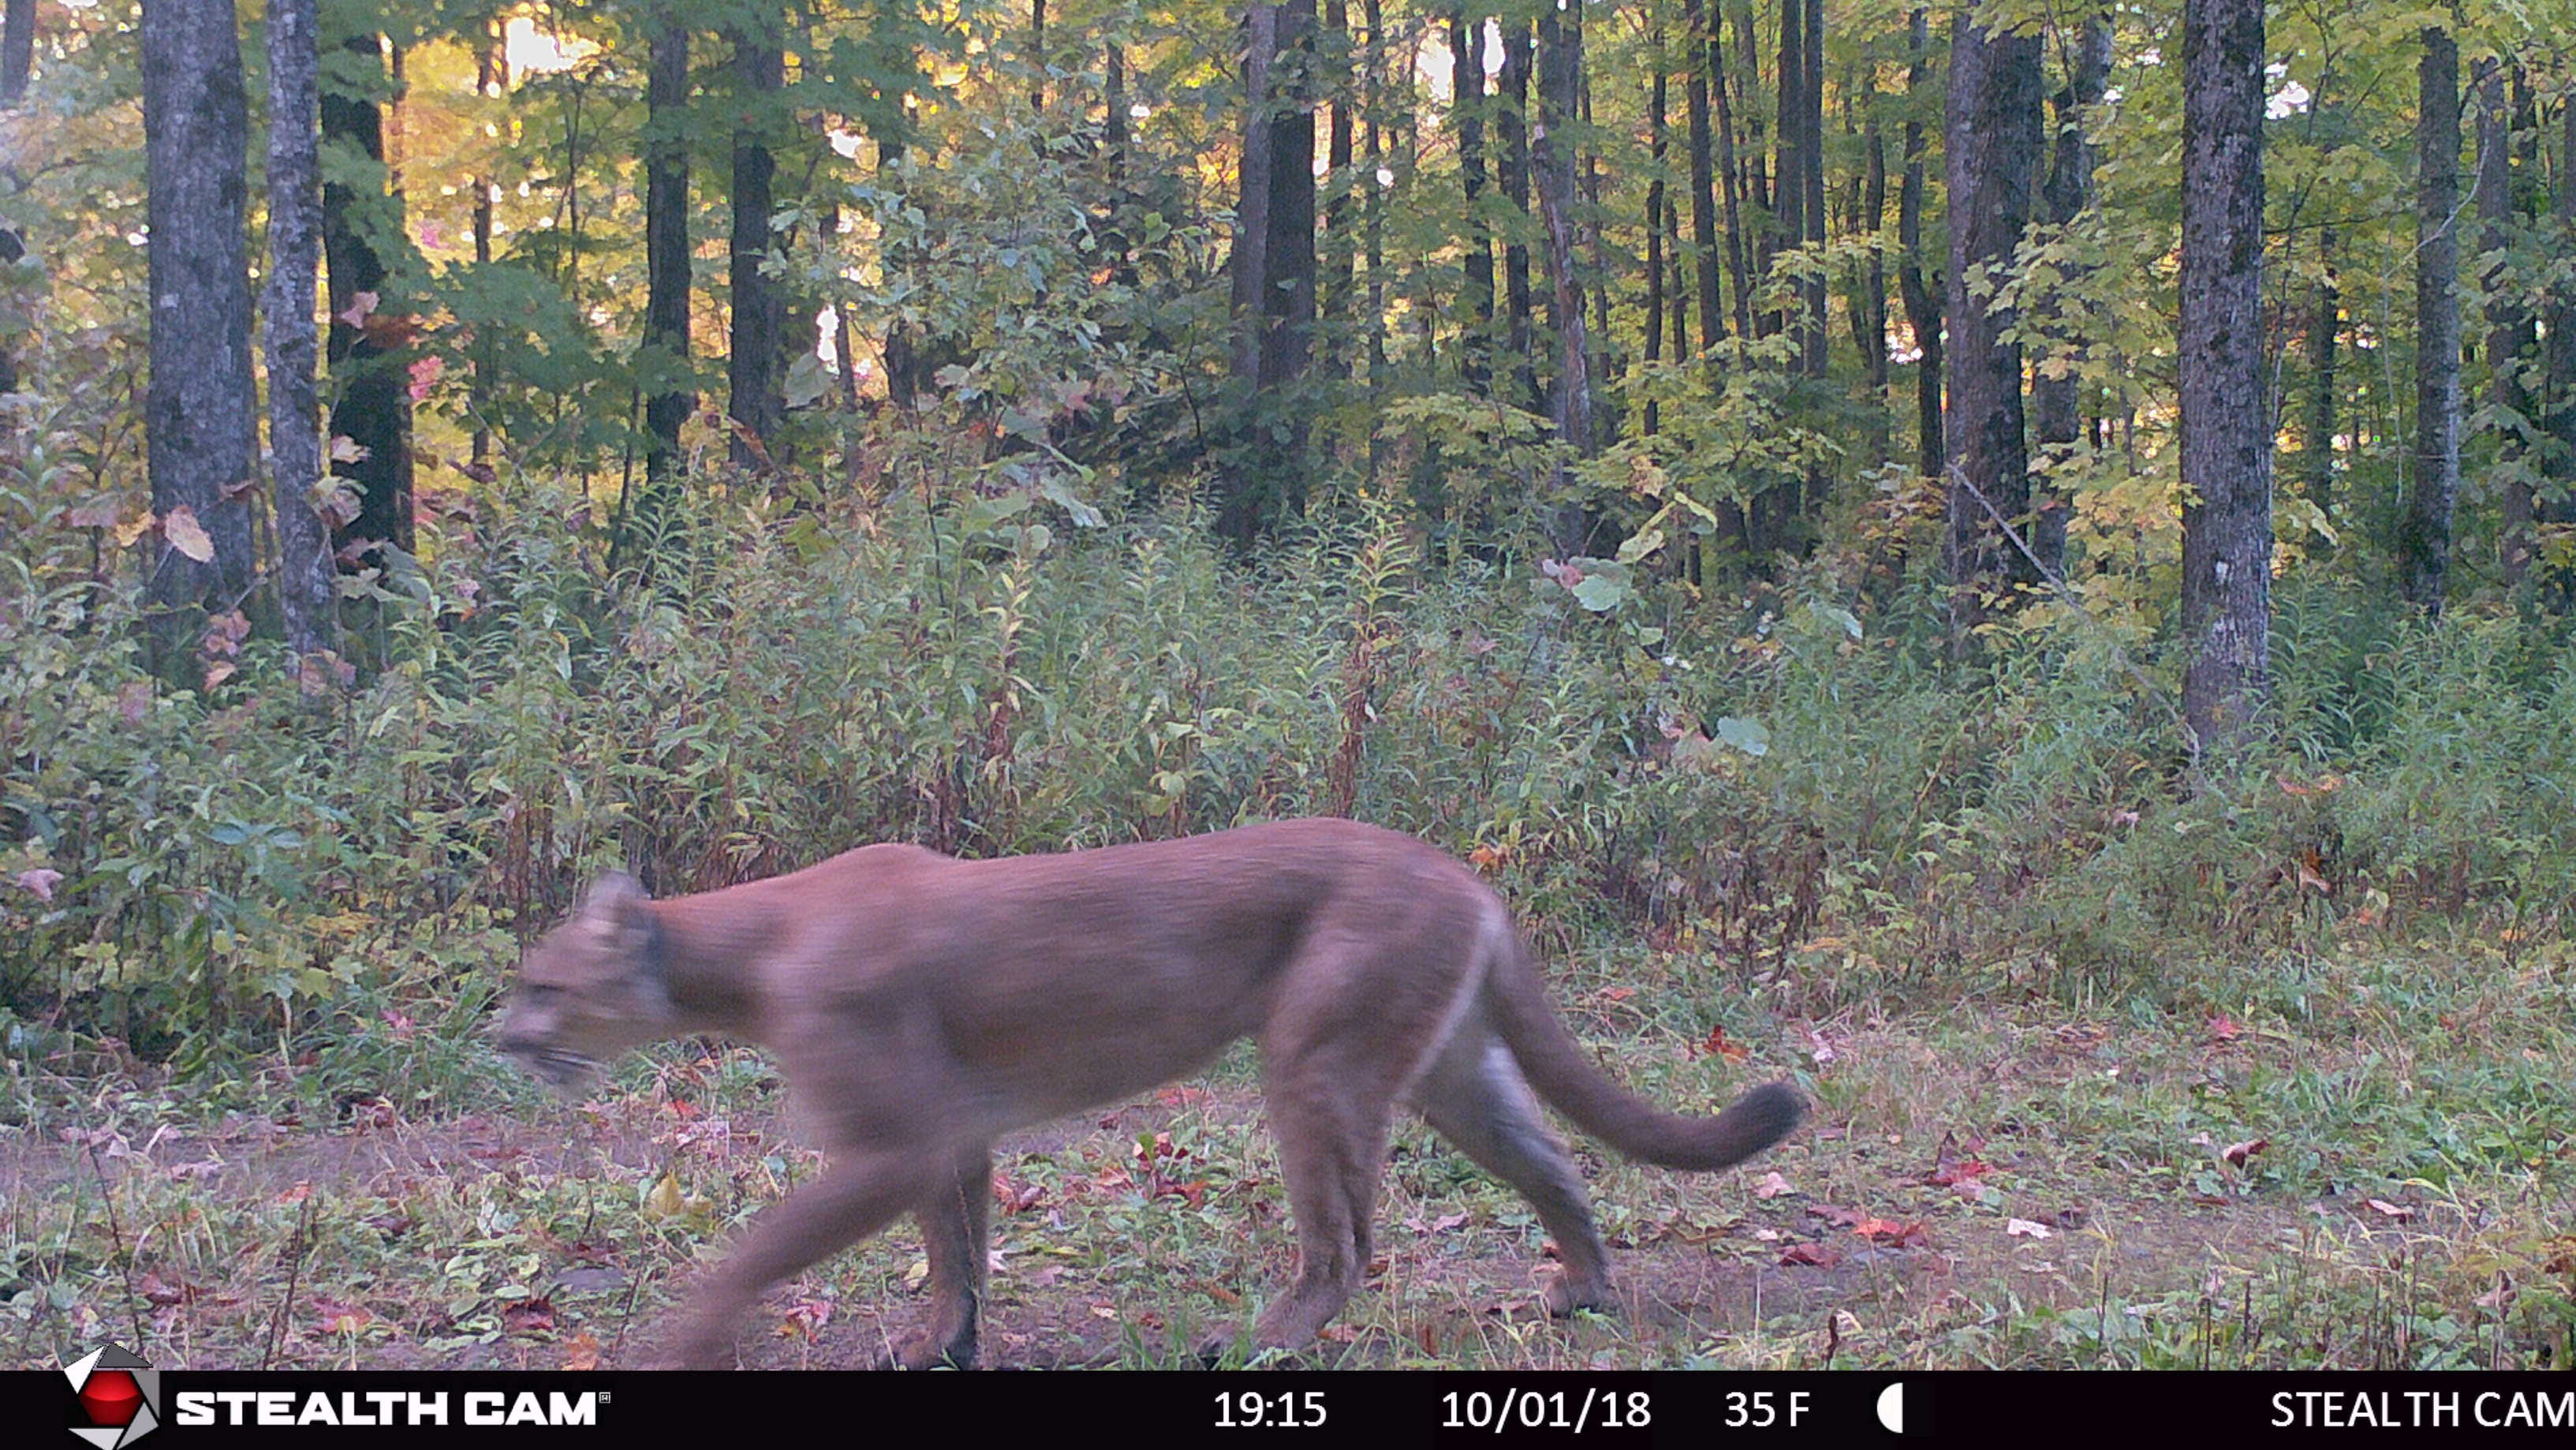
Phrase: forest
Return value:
(2011, 563)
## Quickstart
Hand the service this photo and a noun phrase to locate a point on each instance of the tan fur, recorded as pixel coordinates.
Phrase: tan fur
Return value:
(923, 1006)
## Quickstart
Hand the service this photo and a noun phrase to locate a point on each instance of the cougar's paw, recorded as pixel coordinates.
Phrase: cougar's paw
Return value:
(924, 1350)
(1565, 1297)
(1221, 1342)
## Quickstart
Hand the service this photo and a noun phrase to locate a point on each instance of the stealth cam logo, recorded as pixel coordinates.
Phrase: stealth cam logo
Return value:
(121, 1394)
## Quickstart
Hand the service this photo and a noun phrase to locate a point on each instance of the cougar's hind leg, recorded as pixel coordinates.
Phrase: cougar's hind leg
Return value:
(953, 1221)
(854, 1198)
(1332, 1146)
(1475, 1096)
(1360, 1012)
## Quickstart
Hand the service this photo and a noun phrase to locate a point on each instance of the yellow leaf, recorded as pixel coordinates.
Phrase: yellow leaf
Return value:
(135, 528)
(186, 535)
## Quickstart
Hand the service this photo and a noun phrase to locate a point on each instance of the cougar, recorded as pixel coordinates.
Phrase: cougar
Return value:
(922, 1005)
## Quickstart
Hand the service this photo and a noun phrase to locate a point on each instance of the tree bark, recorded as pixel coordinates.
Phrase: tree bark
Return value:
(1290, 254)
(1511, 135)
(1250, 260)
(2424, 538)
(2508, 321)
(2324, 328)
(1993, 146)
(1703, 186)
(2057, 419)
(1274, 265)
(491, 78)
(2558, 457)
(1922, 303)
(1789, 166)
(198, 426)
(666, 250)
(1467, 109)
(2226, 450)
(1341, 275)
(17, 51)
(1658, 87)
(1373, 210)
(306, 580)
(1739, 275)
(1560, 78)
(372, 404)
(755, 397)
(1811, 160)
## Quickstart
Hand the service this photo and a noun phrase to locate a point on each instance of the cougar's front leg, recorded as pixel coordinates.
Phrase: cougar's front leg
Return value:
(855, 1197)
(953, 1224)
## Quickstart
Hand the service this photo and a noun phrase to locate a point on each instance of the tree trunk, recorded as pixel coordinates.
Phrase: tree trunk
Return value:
(1703, 187)
(1274, 265)
(1250, 263)
(2323, 330)
(1373, 210)
(198, 427)
(2226, 448)
(1922, 303)
(1993, 145)
(755, 396)
(372, 408)
(1341, 275)
(1290, 254)
(1560, 78)
(2057, 419)
(2558, 360)
(1869, 312)
(1467, 107)
(2424, 539)
(1511, 134)
(1657, 123)
(306, 581)
(1789, 166)
(666, 253)
(17, 50)
(2508, 321)
(1811, 161)
(491, 78)
(1739, 275)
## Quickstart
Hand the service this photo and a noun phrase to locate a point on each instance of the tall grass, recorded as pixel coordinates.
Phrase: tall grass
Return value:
(765, 686)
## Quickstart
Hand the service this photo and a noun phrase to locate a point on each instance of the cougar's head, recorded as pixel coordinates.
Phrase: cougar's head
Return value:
(592, 988)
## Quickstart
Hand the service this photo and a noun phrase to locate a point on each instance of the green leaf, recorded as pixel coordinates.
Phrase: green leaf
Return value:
(1746, 735)
(1639, 545)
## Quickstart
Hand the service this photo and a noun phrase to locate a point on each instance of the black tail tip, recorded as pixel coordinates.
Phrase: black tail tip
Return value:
(1769, 1113)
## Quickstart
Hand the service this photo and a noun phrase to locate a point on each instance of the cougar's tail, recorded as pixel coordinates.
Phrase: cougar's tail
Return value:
(1563, 1073)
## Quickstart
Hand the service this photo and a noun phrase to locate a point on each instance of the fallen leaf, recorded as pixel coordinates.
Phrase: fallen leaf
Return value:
(1717, 1045)
(531, 1316)
(1772, 1185)
(2237, 1153)
(2397, 1211)
(1811, 1256)
(186, 535)
(40, 880)
(2223, 1028)
(581, 1352)
(1892, 1233)
(2026, 1228)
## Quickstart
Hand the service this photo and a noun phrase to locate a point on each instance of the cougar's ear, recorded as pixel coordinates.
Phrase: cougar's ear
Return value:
(614, 902)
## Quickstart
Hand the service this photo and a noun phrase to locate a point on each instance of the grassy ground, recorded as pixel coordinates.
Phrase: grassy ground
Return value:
(2359, 1160)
